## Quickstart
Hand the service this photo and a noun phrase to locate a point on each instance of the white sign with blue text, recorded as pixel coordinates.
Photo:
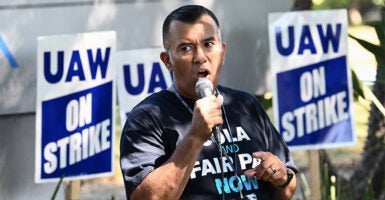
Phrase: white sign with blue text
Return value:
(313, 91)
(75, 106)
(139, 73)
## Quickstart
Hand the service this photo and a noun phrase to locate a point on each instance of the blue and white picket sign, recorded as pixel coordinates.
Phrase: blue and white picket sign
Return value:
(139, 73)
(312, 85)
(75, 106)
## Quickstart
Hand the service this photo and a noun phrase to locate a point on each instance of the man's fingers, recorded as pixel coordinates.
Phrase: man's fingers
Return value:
(261, 155)
(270, 169)
(250, 172)
(220, 99)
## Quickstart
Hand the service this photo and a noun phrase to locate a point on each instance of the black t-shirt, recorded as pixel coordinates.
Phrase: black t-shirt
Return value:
(156, 125)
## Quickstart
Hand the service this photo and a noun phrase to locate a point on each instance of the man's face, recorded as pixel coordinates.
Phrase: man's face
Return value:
(195, 51)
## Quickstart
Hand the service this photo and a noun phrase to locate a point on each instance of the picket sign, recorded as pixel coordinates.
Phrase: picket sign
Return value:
(75, 106)
(312, 85)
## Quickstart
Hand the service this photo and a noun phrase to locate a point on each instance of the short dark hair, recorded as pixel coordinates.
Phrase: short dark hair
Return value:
(186, 14)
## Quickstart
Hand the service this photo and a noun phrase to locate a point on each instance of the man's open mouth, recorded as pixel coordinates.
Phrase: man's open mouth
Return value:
(203, 73)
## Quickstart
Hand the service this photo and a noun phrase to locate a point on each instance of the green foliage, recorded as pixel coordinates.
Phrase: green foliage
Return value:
(342, 193)
(330, 4)
(302, 189)
(369, 192)
(363, 6)
(265, 102)
(377, 50)
(357, 86)
(325, 186)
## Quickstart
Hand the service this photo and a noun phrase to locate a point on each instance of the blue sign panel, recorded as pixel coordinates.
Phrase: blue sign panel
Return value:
(315, 104)
(79, 141)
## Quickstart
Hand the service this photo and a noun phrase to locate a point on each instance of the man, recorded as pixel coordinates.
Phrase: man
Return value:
(167, 151)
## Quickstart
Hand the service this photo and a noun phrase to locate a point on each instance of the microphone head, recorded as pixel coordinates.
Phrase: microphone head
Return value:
(204, 87)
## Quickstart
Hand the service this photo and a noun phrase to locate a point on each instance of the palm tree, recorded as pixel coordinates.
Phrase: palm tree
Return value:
(371, 167)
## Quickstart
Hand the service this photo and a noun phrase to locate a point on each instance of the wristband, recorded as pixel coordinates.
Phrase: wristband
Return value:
(290, 176)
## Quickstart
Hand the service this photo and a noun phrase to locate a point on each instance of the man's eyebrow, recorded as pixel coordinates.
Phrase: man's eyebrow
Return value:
(183, 44)
(211, 38)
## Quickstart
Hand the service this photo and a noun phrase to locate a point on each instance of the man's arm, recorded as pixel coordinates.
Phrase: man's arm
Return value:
(169, 180)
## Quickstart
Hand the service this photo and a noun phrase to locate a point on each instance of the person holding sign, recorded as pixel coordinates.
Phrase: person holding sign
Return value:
(198, 139)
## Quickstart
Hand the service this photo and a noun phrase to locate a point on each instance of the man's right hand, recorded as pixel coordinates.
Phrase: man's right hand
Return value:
(207, 114)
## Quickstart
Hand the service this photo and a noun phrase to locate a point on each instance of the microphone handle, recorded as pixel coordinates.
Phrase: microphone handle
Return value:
(205, 92)
(217, 133)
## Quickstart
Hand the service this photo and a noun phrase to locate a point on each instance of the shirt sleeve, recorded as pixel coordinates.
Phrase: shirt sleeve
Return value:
(141, 147)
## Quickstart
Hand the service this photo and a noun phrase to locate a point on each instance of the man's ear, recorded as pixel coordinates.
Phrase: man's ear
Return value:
(223, 52)
(165, 57)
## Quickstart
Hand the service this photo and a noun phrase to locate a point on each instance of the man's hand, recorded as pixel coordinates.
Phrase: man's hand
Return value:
(271, 169)
(207, 114)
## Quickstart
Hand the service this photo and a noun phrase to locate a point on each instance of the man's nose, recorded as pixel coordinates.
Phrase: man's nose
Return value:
(199, 55)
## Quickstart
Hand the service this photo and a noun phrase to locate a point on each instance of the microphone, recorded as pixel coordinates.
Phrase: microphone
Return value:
(204, 87)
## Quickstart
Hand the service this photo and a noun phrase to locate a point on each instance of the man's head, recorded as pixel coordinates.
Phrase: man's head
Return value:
(193, 47)
(187, 14)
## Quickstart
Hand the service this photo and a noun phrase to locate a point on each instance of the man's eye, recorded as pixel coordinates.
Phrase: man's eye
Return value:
(186, 48)
(209, 44)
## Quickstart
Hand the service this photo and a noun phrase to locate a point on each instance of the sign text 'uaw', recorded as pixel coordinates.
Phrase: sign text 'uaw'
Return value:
(140, 73)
